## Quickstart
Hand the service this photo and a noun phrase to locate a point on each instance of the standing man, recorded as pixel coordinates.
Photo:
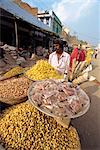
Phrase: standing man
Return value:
(74, 54)
(82, 54)
(59, 59)
(96, 53)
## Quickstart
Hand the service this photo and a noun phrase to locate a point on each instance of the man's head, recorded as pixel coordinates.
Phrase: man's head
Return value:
(58, 46)
(75, 45)
(83, 47)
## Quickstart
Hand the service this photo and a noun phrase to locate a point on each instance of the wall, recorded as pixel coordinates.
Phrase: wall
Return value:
(73, 40)
(33, 11)
(56, 24)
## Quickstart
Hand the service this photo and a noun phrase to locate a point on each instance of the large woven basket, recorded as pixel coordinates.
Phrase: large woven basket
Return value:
(12, 98)
(13, 101)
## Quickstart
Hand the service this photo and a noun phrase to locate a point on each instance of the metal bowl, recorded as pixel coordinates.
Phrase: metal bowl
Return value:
(48, 112)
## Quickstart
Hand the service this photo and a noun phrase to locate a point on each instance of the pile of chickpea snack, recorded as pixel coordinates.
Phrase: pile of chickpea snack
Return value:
(23, 127)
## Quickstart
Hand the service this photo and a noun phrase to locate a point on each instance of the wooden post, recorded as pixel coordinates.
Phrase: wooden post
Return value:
(16, 34)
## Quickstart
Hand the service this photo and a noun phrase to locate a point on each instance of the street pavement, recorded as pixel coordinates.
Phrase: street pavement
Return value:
(88, 125)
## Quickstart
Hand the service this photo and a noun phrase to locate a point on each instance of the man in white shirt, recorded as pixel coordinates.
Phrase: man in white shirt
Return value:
(59, 59)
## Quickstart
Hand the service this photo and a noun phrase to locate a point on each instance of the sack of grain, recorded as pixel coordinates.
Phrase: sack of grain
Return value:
(20, 60)
(2, 63)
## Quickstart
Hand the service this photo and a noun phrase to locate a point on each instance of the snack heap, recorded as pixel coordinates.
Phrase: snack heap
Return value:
(14, 71)
(24, 127)
(14, 89)
(42, 70)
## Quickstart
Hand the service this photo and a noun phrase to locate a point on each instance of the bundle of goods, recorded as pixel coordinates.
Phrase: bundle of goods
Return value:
(34, 57)
(24, 127)
(76, 74)
(8, 59)
(58, 99)
(20, 60)
(82, 78)
(14, 91)
(2, 63)
(40, 51)
(42, 70)
(11, 50)
(12, 72)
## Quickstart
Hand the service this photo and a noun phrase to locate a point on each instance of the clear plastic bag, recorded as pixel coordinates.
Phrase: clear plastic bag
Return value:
(71, 107)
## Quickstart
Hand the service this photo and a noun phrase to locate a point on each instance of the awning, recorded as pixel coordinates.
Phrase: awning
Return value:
(20, 13)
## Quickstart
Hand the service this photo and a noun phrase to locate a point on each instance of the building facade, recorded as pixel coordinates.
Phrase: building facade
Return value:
(21, 29)
(50, 19)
